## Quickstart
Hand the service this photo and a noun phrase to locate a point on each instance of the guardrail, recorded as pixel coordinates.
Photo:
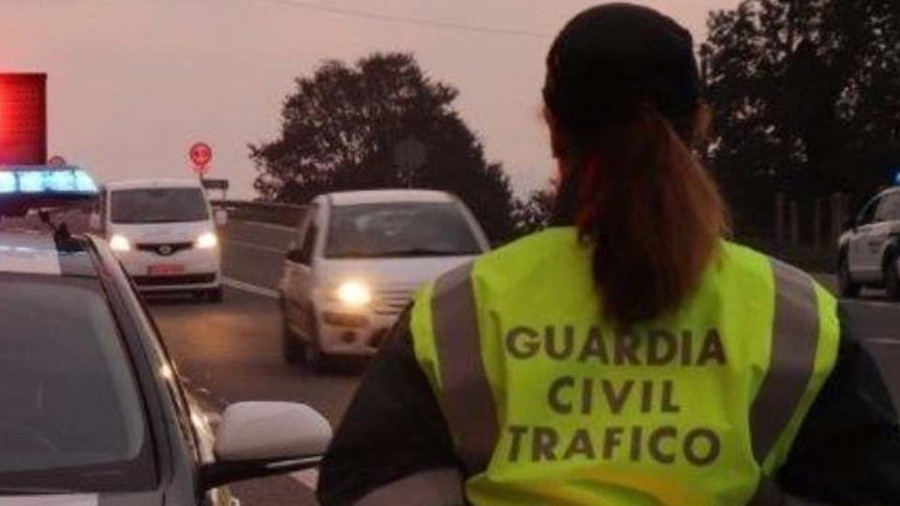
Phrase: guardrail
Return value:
(287, 215)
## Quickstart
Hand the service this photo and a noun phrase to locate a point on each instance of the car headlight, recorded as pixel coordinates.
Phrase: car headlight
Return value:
(354, 294)
(206, 240)
(119, 243)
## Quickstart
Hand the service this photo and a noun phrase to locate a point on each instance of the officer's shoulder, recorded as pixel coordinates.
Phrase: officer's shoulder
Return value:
(752, 262)
(531, 247)
(494, 267)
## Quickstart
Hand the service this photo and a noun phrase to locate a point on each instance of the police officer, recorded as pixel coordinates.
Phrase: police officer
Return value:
(629, 355)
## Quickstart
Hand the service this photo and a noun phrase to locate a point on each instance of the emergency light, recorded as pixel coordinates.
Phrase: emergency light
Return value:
(40, 187)
(58, 181)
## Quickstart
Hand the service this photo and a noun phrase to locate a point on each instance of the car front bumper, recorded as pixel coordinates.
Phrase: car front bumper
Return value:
(354, 333)
(187, 270)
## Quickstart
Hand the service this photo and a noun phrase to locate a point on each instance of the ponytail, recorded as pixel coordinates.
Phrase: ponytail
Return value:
(651, 212)
(622, 95)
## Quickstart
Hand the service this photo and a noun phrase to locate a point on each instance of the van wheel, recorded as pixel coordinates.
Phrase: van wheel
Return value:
(892, 278)
(846, 286)
(291, 349)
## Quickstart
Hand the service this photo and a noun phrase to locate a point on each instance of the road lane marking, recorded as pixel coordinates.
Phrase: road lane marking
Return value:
(883, 340)
(271, 226)
(250, 245)
(309, 478)
(872, 303)
(247, 287)
(51, 500)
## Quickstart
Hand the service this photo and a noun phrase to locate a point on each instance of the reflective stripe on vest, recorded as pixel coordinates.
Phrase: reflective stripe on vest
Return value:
(467, 398)
(471, 411)
(795, 336)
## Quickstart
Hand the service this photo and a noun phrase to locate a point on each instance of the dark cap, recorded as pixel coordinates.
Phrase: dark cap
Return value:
(611, 59)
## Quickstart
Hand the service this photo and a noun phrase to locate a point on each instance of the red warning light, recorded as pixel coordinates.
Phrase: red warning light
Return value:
(23, 119)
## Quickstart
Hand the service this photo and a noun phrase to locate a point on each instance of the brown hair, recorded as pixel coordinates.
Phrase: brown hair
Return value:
(622, 97)
(651, 212)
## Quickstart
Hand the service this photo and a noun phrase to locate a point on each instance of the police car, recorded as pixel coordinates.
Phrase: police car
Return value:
(93, 410)
(870, 249)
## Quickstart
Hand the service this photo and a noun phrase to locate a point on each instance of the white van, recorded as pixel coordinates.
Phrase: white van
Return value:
(356, 262)
(163, 232)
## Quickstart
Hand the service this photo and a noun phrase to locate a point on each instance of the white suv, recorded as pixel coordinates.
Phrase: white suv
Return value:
(870, 250)
(356, 262)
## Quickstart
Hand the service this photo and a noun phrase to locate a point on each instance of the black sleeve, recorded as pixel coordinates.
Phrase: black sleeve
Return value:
(393, 428)
(848, 448)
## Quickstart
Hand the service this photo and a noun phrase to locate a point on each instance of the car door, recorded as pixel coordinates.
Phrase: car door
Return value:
(299, 276)
(862, 263)
(292, 257)
(882, 230)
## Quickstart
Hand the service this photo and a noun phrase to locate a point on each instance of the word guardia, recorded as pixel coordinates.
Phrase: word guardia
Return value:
(655, 348)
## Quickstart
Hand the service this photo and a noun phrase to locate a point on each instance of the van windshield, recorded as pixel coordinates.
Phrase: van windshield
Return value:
(400, 229)
(158, 205)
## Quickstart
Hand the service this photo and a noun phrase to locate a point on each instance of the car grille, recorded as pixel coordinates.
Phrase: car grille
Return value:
(392, 302)
(165, 249)
(188, 279)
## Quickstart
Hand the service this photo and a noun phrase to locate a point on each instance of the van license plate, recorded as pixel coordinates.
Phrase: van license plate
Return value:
(165, 269)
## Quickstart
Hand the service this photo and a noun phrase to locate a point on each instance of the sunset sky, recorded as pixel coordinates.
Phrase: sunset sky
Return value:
(132, 83)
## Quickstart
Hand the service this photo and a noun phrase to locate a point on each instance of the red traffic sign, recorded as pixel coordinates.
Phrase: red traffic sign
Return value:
(201, 154)
(57, 161)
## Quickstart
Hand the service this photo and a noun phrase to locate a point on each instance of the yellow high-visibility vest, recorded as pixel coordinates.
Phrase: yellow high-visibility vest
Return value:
(550, 405)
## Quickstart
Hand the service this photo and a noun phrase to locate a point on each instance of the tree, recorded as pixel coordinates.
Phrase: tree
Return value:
(533, 213)
(381, 123)
(807, 98)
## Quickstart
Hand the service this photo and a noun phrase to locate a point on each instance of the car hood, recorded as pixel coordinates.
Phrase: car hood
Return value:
(161, 232)
(404, 273)
(104, 499)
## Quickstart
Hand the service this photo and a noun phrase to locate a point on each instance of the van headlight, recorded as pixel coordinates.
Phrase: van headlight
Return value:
(206, 240)
(354, 294)
(119, 243)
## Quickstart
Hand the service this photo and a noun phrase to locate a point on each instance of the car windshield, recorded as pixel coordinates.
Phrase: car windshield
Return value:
(72, 418)
(158, 205)
(408, 229)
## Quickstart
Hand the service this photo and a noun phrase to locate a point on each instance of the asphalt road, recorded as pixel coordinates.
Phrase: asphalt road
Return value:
(231, 352)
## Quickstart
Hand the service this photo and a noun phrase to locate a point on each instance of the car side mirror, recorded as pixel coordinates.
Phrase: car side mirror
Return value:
(259, 439)
(220, 217)
(95, 223)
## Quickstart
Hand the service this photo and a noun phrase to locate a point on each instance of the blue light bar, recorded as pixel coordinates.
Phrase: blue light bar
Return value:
(8, 182)
(46, 181)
